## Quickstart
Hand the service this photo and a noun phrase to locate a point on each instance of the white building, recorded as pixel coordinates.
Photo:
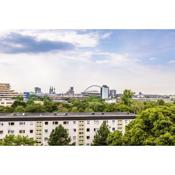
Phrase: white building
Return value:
(6, 102)
(80, 126)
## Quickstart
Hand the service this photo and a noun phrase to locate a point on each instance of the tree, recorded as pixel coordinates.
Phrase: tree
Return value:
(34, 108)
(19, 109)
(101, 136)
(11, 140)
(154, 126)
(59, 136)
(126, 97)
(115, 138)
(160, 102)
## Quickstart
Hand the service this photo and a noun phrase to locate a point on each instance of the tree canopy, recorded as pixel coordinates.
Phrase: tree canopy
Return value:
(101, 136)
(59, 136)
(12, 140)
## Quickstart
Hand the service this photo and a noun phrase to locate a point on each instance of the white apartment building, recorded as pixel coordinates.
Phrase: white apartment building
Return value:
(6, 102)
(80, 126)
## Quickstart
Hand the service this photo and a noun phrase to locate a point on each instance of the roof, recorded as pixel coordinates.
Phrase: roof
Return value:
(65, 116)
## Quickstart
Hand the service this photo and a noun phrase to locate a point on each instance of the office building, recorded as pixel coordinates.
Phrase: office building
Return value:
(81, 126)
(112, 93)
(104, 92)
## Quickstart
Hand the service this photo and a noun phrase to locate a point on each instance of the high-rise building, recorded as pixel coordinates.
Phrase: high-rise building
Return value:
(112, 93)
(6, 92)
(37, 90)
(26, 96)
(104, 92)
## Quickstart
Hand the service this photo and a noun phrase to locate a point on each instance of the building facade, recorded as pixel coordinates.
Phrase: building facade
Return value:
(6, 92)
(104, 92)
(81, 126)
(6, 102)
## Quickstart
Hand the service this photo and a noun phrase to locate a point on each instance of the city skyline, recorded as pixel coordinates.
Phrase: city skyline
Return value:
(141, 60)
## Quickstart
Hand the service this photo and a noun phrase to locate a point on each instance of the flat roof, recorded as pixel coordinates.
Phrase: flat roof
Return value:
(65, 116)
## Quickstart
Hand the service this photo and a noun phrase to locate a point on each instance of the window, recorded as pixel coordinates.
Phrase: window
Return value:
(10, 131)
(113, 129)
(113, 121)
(46, 130)
(80, 132)
(21, 131)
(120, 128)
(94, 129)
(88, 137)
(1, 124)
(1, 132)
(74, 137)
(21, 123)
(88, 129)
(31, 123)
(55, 123)
(11, 123)
(119, 121)
(31, 131)
(65, 122)
(74, 129)
(46, 139)
(88, 122)
(74, 122)
(46, 123)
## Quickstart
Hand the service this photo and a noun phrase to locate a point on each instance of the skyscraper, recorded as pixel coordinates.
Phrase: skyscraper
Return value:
(104, 92)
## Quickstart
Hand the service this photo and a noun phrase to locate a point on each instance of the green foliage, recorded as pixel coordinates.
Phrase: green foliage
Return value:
(126, 97)
(59, 136)
(115, 138)
(11, 140)
(34, 108)
(101, 136)
(154, 126)
(19, 109)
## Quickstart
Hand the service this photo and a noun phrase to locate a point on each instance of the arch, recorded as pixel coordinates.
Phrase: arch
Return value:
(91, 87)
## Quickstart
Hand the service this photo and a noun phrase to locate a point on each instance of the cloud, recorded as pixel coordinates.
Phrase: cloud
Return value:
(76, 38)
(15, 43)
(171, 62)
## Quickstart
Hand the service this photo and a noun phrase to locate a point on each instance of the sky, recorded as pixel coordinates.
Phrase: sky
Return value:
(140, 60)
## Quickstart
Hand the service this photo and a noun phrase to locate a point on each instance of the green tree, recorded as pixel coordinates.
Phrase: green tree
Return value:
(154, 126)
(126, 97)
(11, 140)
(34, 108)
(59, 136)
(101, 136)
(160, 102)
(19, 109)
(115, 138)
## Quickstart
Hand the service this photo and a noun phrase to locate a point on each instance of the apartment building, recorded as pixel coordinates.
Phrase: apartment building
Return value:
(80, 126)
(6, 102)
(6, 92)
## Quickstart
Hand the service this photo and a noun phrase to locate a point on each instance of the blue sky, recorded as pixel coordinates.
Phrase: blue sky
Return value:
(141, 60)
